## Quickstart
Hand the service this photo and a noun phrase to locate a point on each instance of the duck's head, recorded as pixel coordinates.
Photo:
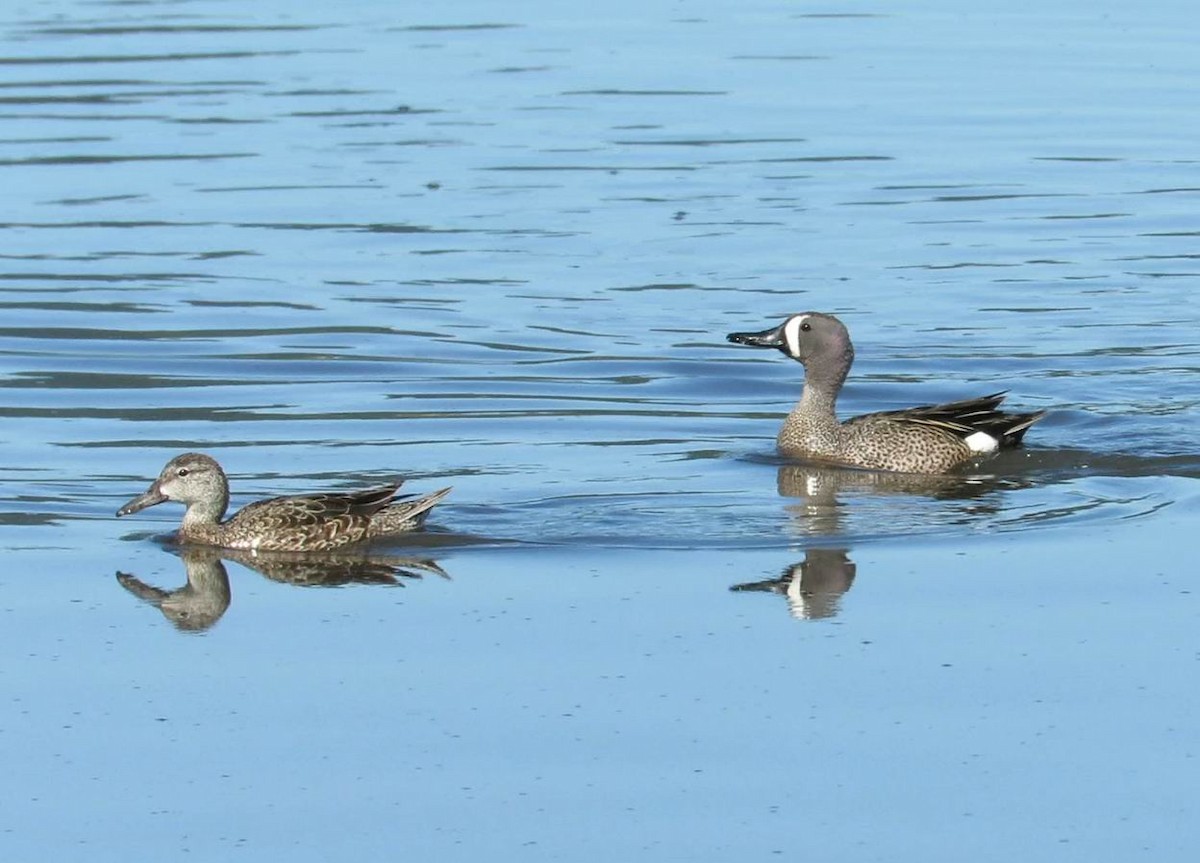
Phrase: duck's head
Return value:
(191, 479)
(806, 337)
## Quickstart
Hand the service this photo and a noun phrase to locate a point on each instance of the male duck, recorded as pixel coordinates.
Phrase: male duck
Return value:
(931, 439)
(312, 522)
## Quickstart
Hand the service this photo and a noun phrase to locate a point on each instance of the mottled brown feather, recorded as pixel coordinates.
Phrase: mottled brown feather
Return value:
(310, 522)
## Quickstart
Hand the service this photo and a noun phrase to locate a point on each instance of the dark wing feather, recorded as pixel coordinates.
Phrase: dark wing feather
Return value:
(964, 418)
(364, 502)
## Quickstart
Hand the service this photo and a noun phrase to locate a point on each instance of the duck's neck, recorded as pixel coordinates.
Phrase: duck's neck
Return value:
(208, 582)
(812, 429)
(821, 388)
(202, 519)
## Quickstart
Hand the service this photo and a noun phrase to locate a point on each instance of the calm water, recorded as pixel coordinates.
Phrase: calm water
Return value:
(499, 248)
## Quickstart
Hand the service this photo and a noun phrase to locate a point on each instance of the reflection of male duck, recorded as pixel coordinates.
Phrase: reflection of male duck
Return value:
(814, 586)
(818, 491)
(822, 482)
(201, 602)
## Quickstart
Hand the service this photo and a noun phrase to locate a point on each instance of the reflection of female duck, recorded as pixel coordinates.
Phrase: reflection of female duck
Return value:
(199, 603)
(206, 596)
(333, 570)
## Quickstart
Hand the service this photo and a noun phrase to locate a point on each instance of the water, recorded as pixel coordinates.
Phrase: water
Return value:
(500, 249)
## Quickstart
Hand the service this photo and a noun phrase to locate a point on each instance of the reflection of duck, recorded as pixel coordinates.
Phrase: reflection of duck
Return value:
(819, 490)
(333, 570)
(813, 587)
(206, 596)
(199, 603)
(824, 482)
(315, 522)
(929, 439)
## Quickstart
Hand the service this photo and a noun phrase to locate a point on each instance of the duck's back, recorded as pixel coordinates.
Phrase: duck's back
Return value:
(315, 522)
(926, 439)
(898, 443)
(876, 442)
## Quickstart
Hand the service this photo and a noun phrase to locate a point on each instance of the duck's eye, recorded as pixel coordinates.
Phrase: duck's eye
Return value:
(183, 471)
(805, 326)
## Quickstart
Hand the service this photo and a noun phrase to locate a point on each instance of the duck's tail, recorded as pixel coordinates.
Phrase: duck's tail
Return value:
(1014, 426)
(404, 514)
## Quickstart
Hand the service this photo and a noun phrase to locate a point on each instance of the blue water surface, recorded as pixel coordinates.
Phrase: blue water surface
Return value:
(499, 248)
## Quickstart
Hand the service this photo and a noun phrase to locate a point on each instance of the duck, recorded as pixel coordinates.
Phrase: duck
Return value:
(309, 522)
(929, 439)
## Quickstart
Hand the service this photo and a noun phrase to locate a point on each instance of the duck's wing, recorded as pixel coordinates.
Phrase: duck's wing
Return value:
(312, 521)
(965, 418)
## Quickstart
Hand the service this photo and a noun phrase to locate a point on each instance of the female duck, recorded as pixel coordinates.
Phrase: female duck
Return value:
(312, 522)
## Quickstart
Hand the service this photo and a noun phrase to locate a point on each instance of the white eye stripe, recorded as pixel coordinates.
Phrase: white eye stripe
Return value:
(791, 334)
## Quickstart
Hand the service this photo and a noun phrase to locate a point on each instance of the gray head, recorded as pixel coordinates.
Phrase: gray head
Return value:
(193, 479)
(819, 341)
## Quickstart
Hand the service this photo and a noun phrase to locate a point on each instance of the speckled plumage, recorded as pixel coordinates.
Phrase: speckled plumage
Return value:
(313, 522)
(930, 439)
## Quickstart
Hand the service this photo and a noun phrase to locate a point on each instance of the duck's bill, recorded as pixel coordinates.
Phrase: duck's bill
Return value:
(772, 338)
(149, 497)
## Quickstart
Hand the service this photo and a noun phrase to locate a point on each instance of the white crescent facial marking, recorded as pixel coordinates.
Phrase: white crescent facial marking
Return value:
(791, 334)
(981, 442)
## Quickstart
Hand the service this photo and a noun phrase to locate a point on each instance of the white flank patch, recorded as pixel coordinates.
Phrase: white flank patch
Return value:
(791, 334)
(981, 442)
